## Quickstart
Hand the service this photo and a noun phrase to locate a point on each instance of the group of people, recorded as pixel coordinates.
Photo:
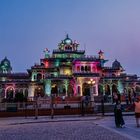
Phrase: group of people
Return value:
(119, 121)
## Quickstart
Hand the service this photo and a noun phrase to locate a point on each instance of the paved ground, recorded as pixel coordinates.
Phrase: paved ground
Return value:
(67, 128)
(130, 130)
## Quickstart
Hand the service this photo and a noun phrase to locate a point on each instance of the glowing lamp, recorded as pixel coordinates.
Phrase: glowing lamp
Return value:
(91, 82)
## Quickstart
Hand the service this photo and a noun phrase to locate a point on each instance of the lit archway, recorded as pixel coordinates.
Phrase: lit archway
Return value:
(70, 90)
(10, 92)
(86, 89)
(114, 88)
(107, 90)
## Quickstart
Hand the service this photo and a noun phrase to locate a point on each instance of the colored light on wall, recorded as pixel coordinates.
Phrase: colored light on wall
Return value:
(120, 87)
(57, 63)
(46, 64)
(55, 74)
(48, 88)
(67, 72)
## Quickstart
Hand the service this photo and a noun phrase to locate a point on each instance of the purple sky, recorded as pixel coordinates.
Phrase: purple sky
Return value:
(27, 27)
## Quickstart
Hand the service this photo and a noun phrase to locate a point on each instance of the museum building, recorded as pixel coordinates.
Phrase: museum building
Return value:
(68, 71)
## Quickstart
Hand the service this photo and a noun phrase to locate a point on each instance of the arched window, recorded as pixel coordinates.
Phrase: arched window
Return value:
(34, 77)
(10, 93)
(86, 68)
(114, 88)
(71, 48)
(82, 68)
(89, 68)
(78, 68)
(93, 69)
(39, 76)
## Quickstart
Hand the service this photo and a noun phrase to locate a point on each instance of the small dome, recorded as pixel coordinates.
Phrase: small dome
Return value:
(67, 40)
(5, 66)
(5, 62)
(116, 65)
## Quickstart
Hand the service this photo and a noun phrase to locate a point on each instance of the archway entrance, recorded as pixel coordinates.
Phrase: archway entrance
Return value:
(86, 89)
(114, 89)
(107, 90)
(39, 92)
(54, 90)
(70, 90)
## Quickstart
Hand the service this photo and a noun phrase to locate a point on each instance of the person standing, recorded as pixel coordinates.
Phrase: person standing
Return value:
(116, 97)
(119, 121)
(137, 111)
(136, 107)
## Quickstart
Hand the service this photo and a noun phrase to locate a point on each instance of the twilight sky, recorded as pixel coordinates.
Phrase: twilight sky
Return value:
(27, 27)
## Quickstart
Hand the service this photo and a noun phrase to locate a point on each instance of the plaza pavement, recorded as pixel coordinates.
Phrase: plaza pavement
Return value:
(97, 127)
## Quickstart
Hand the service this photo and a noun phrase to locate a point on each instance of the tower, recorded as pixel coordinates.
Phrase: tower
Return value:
(5, 66)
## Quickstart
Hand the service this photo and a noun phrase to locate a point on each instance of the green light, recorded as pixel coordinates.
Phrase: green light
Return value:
(55, 74)
(57, 63)
(48, 87)
(120, 87)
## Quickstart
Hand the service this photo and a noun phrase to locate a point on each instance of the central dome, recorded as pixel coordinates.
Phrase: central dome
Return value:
(67, 40)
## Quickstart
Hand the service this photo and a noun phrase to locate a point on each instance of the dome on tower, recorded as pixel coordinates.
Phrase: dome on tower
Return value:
(5, 66)
(67, 40)
(116, 65)
(5, 62)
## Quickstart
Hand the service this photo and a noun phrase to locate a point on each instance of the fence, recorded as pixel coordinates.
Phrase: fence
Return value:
(54, 106)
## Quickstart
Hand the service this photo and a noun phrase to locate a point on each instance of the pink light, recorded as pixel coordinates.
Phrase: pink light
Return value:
(74, 86)
(46, 64)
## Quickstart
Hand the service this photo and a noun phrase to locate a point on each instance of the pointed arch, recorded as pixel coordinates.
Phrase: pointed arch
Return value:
(10, 92)
(100, 89)
(114, 88)
(107, 89)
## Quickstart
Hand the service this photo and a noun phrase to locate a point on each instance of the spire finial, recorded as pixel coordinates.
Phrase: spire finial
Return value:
(67, 36)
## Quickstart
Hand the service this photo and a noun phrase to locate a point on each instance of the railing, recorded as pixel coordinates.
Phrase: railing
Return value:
(57, 106)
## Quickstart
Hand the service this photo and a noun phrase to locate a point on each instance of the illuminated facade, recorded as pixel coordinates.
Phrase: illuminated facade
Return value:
(67, 71)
